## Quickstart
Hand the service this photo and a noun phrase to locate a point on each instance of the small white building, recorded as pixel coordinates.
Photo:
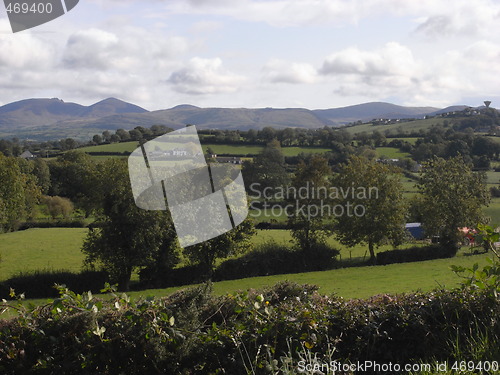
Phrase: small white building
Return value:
(27, 155)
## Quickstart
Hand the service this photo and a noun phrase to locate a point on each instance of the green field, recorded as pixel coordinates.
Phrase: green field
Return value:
(233, 149)
(354, 282)
(405, 126)
(112, 147)
(493, 211)
(391, 153)
(409, 188)
(35, 249)
(217, 148)
(496, 139)
(59, 248)
(493, 178)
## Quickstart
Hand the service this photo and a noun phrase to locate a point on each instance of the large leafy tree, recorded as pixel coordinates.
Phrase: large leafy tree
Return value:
(268, 168)
(73, 175)
(309, 209)
(126, 237)
(42, 173)
(19, 193)
(374, 211)
(451, 196)
(236, 241)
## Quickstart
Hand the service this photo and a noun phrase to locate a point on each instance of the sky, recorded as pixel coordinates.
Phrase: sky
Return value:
(259, 53)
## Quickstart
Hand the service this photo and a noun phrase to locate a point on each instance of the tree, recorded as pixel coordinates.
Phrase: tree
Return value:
(73, 175)
(58, 206)
(135, 135)
(373, 210)
(31, 189)
(268, 168)
(12, 203)
(68, 144)
(97, 139)
(18, 193)
(309, 220)
(123, 134)
(42, 173)
(267, 134)
(236, 241)
(106, 135)
(126, 236)
(451, 197)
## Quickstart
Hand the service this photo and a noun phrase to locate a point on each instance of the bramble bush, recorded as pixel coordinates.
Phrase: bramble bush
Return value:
(253, 332)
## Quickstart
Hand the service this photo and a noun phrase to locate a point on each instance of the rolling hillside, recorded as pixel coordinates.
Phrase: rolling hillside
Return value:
(369, 111)
(44, 119)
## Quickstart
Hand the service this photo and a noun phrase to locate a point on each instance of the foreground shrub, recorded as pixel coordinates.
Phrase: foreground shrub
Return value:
(261, 332)
(40, 284)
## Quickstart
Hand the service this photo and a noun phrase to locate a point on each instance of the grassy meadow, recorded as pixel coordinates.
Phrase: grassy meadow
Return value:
(59, 248)
(217, 148)
(404, 126)
(112, 147)
(391, 153)
(37, 249)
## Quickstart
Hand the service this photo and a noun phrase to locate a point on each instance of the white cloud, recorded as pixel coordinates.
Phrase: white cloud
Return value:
(275, 12)
(441, 52)
(92, 49)
(133, 50)
(393, 60)
(280, 71)
(465, 19)
(285, 13)
(393, 72)
(204, 76)
(23, 50)
(202, 27)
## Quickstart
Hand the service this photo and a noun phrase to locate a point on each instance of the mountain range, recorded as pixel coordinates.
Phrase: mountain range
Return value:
(54, 118)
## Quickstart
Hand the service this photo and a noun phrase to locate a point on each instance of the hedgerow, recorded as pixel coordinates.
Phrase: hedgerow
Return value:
(261, 332)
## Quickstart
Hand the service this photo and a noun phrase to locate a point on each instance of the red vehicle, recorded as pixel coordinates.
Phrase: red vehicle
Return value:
(469, 236)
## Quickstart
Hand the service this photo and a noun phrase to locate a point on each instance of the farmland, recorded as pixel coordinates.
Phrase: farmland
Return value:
(59, 248)
(391, 153)
(39, 249)
(409, 126)
(224, 149)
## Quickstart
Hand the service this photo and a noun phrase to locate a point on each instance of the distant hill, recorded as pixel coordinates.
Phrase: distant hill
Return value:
(454, 108)
(238, 118)
(111, 106)
(30, 113)
(34, 112)
(369, 111)
(54, 118)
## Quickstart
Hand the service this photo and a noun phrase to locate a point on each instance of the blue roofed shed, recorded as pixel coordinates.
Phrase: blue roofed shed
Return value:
(416, 230)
